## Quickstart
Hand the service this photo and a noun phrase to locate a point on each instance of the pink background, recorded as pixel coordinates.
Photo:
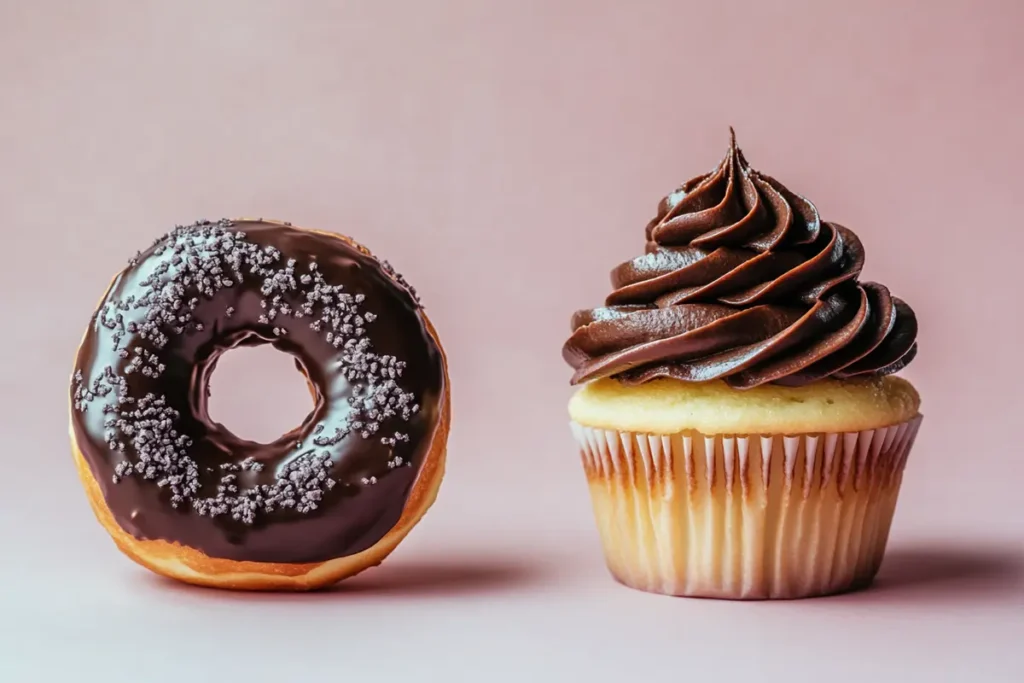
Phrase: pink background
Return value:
(505, 156)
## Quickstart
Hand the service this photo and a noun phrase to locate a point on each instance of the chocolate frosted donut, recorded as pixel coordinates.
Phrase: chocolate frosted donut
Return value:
(186, 497)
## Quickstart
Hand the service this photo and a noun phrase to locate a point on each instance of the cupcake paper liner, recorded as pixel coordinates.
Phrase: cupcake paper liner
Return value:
(747, 516)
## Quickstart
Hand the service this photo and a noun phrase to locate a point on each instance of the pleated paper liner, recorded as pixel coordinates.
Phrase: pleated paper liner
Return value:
(745, 517)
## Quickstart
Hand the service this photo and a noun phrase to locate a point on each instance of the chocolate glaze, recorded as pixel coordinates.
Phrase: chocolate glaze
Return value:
(373, 476)
(742, 281)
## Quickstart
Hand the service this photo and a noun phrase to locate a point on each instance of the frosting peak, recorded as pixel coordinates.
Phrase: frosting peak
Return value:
(741, 280)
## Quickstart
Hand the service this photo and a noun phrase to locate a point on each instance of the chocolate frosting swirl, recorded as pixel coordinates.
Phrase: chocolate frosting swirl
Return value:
(742, 281)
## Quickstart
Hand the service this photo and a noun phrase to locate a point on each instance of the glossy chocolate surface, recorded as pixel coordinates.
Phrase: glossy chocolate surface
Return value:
(332, 487)
(742, 281)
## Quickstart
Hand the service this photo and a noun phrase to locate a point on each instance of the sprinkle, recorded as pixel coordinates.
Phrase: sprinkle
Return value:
(397, 277)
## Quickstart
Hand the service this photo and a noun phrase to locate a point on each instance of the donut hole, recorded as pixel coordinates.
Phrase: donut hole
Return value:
(258, 393)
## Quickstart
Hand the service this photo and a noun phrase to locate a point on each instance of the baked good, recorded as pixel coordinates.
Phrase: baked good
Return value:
(185, 497)
(741, 431)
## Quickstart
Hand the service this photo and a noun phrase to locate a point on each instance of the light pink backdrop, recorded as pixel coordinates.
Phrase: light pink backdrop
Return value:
(506, 155)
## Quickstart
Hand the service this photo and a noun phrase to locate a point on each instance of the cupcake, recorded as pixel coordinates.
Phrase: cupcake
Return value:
(740, 426)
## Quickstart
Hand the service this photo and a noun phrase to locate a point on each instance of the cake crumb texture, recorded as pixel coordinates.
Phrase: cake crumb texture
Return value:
(668, 406)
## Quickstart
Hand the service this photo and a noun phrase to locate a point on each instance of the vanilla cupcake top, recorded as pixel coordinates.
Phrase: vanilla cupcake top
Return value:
(742, 281)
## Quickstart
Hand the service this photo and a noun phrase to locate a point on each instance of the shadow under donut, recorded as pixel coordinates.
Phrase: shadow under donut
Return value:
(396, 578)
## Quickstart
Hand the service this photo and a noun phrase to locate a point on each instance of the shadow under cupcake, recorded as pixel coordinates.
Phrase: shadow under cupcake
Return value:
(740, 429)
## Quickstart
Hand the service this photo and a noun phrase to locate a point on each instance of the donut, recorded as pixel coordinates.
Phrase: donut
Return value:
(185, 497)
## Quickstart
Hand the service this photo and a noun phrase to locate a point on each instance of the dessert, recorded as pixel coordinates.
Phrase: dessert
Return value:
(185, 497)
(741, 430)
